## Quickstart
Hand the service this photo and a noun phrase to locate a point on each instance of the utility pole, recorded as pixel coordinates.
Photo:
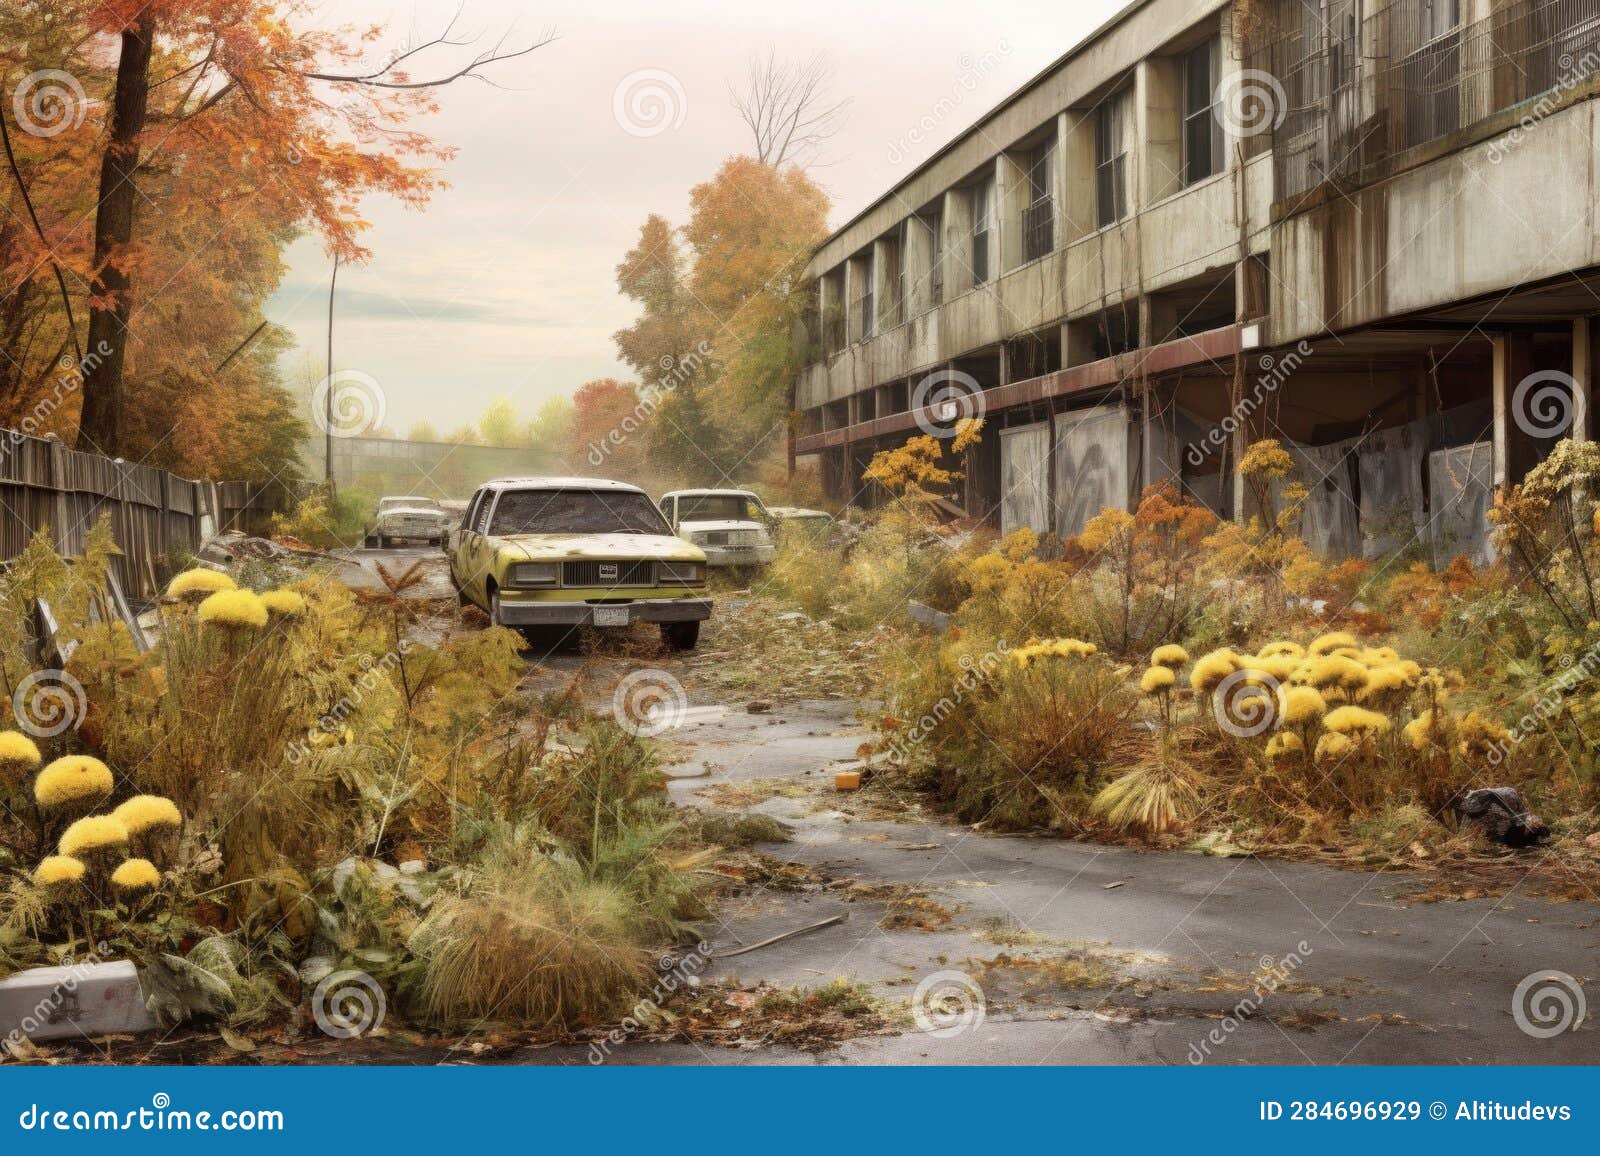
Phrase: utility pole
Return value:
(327, 395)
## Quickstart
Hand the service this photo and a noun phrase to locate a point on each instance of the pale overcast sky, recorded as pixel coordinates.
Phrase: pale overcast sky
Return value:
(505, 284)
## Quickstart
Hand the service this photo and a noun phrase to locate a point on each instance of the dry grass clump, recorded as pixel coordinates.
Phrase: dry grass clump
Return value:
(1153, 799)
(532, 941)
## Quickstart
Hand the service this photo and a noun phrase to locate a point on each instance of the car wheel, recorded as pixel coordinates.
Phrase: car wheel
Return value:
(680, 635)
(370, 542)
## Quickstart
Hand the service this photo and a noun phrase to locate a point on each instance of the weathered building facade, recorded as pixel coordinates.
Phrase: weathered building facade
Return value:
(1366, 228)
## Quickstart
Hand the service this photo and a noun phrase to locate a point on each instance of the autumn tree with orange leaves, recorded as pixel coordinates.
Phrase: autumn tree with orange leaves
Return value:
(183, 145)
(721, 300)
(1146, 562)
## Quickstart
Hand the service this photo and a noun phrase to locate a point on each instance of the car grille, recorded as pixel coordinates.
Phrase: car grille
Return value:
(608, 574)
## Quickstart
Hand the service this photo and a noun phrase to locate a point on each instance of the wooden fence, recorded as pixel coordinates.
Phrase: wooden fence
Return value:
(154, 515)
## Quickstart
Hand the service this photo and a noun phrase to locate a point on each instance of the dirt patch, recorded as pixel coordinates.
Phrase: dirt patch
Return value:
(760, 647)
(818, 1020)
(906, 907)
(752, 792)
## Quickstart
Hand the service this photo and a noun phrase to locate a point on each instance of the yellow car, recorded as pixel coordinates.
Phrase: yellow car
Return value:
(567, 552)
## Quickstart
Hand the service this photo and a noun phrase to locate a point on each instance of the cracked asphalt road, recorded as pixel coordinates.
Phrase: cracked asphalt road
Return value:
(1379, 981)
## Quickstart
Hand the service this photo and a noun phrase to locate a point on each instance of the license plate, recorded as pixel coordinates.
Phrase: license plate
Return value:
(611, 616)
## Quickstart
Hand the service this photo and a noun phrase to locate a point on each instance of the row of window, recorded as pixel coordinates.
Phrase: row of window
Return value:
(1201, 156)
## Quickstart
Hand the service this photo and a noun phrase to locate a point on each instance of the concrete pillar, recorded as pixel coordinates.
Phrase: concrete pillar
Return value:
(1158, 157)
(886, 282)
(1582, 376)
(917, 254)
(1513, 450)
(1501, 387)
(957, 225)
(852, 294)
(1011, 195)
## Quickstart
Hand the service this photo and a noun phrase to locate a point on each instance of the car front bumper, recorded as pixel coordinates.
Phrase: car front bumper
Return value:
(739, 555)
(582, 613)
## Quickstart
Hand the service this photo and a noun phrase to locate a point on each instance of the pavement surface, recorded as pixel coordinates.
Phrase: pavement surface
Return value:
(1050, 951)
(1331, 966)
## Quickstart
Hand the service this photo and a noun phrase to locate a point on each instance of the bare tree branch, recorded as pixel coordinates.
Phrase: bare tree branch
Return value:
(384, 77)
(786, 107)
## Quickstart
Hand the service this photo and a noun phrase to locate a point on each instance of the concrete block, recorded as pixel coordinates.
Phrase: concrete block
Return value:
(73, 1002)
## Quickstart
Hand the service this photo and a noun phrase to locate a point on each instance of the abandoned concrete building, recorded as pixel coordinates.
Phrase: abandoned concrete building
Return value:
(1367, 229)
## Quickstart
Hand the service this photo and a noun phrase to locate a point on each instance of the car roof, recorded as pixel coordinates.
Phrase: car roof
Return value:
(562, 484)
(710, 494)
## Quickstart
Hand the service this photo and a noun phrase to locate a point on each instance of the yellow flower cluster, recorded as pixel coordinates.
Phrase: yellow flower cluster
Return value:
(95, 833)
(240, 608)
(195, 584)
(1157, 680)
(284, 603)
(145, 812)
(1170, 655)
(1212, 668)
(72, 779)
(17, 750)
(1053, 648)
(57, 869)
(136, 875)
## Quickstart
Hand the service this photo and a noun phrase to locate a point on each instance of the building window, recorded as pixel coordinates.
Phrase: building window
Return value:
(982, 211)
(1110, 163)
(1038, 225)
(1202, 129)
(1438, 17)
(936, 261)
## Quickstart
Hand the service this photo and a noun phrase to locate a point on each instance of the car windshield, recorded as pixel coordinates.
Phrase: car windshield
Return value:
(718, 508)
(575, 512)
(407, 503)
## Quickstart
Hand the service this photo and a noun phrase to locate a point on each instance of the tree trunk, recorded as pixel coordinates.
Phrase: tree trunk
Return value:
(101, 426)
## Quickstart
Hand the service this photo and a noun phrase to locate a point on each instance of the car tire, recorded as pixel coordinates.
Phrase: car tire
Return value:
(370, 542)
(680, 635)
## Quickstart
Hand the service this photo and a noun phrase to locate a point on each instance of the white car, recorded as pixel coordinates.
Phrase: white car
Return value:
(408, 518)
(731, 526)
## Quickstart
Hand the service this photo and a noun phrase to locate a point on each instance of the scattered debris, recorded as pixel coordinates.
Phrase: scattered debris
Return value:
(818, 926)
(928, 616)
(1503, 816)
(758, 706)
(847, 780)
(1114, 886)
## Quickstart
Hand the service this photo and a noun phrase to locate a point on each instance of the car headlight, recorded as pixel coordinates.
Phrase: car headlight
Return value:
(681, 573)
(534, 574)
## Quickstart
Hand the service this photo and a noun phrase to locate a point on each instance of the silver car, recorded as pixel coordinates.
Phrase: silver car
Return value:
(402, 519)
(731, 526)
